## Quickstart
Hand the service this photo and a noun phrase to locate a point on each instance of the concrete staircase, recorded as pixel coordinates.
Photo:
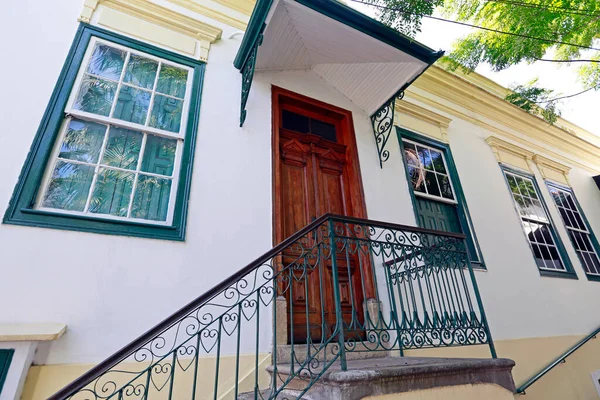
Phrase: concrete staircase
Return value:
(392, 375)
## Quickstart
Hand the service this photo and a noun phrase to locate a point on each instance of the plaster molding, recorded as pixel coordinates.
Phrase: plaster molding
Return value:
(31, 332)
(449, 93)
(436, 125)
(244, 6)
(148, 12)
(511, 154)
(551, 169)
(195, 6)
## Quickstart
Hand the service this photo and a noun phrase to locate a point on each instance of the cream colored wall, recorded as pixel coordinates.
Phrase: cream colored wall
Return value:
(43, 381)
(461, 392)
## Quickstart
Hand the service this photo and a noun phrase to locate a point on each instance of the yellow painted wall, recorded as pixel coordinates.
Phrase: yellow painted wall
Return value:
(45, 380)
(567, 381)
(461, 392)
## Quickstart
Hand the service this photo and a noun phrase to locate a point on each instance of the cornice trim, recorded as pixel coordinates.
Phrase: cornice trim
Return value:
(423, 114)
(243, 6)
(511, 154)
(161, 16)
(479, 102)
(551, 169)
(211, 13)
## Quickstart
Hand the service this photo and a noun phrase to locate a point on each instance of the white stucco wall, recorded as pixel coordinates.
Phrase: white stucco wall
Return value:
(109, 289)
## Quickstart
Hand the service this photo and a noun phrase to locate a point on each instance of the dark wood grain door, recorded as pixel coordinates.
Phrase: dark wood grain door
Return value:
(314, 169)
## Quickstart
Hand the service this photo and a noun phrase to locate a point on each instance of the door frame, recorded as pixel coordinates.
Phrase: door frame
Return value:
(346, 136)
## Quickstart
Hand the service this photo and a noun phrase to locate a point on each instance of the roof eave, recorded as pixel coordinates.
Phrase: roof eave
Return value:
(344, 14)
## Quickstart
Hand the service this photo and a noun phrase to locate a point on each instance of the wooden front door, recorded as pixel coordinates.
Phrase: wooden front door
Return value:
(316, 172)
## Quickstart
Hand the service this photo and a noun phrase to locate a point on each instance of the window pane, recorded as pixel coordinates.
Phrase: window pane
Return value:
(172, 81)
(438, 162)
(527, 189)
(83, 141)
(417, 178)
(323, 129)
(425, 158)
(411, 154)
(123, 148)
(132, 105)
(591, 264)
(141, 71)
(159, 155)
(95, 96)
(512, 182)
(166, 113)
(112, 192)
(295, 122)
(151, 200)
(106, 62)
(431, 183)
(69, 186)
(445, 187)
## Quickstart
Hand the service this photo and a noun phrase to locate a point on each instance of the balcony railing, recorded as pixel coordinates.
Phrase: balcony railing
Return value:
(338, 286)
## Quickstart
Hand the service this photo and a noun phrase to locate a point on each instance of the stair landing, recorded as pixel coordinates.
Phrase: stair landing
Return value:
(388, 375)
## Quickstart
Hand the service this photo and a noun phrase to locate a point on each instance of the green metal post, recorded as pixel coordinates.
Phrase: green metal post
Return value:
(480, 304)
(336, 298)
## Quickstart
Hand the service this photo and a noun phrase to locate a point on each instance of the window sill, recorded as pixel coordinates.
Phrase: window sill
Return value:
(593, 278)
(46, 219)
(477, 266)
(555, 274)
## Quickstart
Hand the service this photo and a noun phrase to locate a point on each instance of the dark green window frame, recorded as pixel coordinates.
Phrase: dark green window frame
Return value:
(21, 209)
(6, 356)
(594, 241)
(463, 211)
(569, 272)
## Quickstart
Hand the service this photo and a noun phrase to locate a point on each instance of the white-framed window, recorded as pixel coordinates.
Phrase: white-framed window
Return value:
(428, 172)
(577, 228)
(536, 222)
(119, 149)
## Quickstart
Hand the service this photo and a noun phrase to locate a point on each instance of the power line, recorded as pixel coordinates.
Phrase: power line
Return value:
(574, 11)
(564, 61)
(477, 26)
(564, 97)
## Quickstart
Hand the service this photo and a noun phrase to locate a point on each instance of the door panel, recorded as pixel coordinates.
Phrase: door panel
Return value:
(316, 172)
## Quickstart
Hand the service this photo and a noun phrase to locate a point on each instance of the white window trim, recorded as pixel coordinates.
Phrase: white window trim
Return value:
(568, 228)
(69, 113)
(548, 222)
(427, 195)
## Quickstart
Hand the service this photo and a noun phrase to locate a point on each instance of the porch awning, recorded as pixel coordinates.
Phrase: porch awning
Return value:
(365, 60)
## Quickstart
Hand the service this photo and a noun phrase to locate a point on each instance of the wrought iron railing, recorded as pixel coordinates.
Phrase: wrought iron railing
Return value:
(338, 286)
(562, 359)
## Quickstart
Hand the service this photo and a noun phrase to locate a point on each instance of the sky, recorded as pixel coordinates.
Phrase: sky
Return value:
(581, 110)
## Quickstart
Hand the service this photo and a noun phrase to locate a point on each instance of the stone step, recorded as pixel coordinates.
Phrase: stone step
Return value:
(389, 375)
(360, 351)
(266, 395)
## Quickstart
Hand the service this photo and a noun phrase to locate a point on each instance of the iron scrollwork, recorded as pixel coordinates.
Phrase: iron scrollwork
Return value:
(247, 76)
(383, 124)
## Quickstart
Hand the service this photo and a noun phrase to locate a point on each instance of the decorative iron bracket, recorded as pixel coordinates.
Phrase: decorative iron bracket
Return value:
(383, 124)
(248, 74)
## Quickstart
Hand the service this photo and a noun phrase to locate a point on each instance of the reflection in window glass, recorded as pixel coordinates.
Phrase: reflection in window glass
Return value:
(428, 172)
(535, 221)
(578, 231)
(118, 149)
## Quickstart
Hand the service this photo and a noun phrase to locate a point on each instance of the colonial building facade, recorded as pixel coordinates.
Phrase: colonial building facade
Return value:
(153, 149)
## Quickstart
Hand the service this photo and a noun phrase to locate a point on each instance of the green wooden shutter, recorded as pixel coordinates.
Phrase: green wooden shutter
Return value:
(442, 216)
(438, 216)
(6, 356)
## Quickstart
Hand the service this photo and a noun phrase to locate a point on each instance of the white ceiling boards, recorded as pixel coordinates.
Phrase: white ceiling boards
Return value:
(365, 68)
